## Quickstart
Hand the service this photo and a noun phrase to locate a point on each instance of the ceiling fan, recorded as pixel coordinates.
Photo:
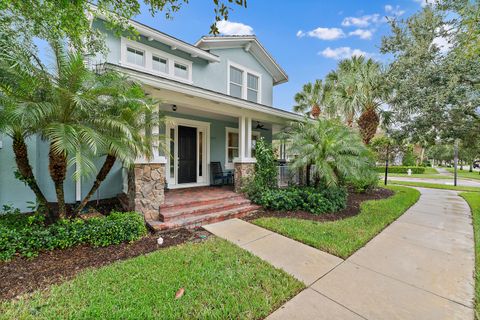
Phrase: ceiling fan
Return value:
(260, 126)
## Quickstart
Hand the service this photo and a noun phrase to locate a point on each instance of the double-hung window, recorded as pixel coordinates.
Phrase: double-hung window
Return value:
(236, 82)
(181, 70)
(135, 56)
(244, 84)
(252, 87)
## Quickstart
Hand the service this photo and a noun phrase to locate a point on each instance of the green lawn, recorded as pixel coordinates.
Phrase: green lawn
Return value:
(473, 200)
(434, 185)
(344, 237)
(221, 281)
(465, 174)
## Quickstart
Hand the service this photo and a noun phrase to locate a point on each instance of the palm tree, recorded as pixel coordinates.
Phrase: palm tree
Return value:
(130, 108)
(335, 151)
(358, 88)
(23, 87)
(75, 114)
(310, 99)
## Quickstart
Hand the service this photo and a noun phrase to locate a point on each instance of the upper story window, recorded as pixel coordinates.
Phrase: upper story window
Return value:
(159, 64)
(252, 87)
(135, 56)
(181, 71)
(149, 59)
(243, 83)
(236, 82)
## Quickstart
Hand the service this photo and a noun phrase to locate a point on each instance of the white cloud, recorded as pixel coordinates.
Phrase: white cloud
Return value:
(442, 44)
(234, 28)
(363, 21)
(323, 33)
(362, 34)
(394, 11)
(342, 53)
(424, 3)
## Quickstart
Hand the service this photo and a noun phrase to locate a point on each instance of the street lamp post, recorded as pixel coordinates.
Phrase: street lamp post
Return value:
(386, 163)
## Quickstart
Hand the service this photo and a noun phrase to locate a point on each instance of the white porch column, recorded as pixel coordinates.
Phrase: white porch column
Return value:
(241, 138)
(248, 142)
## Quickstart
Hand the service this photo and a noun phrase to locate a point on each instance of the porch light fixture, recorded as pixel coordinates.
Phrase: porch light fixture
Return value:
(174, 107)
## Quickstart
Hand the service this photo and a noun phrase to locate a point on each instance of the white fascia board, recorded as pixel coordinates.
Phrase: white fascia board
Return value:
(164, 38)
(178, 45)
(205, 94)
(257, 50)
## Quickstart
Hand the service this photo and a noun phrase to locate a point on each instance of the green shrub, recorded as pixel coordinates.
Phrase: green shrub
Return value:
(27, 235)
(308, 199)
(402, 169)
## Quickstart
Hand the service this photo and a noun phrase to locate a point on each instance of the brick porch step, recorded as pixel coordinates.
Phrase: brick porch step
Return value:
(206, 218)
(197, 208)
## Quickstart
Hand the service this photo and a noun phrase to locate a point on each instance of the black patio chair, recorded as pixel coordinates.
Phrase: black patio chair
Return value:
(220, 177)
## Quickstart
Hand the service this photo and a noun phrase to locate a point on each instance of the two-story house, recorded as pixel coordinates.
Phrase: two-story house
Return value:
(216, 96)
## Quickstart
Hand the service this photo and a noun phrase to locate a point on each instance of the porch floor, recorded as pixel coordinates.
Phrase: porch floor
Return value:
(194, 207)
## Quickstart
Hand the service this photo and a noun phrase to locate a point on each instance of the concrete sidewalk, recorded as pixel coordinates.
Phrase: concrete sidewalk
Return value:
(420, 267)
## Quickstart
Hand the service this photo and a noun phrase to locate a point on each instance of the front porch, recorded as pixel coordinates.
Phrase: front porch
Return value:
(194, 207)
(173, 189)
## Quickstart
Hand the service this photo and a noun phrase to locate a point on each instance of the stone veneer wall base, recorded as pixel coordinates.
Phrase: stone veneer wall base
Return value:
(146, 186)
(241, 172)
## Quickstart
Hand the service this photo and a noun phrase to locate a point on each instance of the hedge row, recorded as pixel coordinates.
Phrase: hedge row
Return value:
(402, 169)
(27, 235)
(308, 199)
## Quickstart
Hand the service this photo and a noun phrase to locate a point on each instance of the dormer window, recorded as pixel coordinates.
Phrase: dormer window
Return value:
(135, 56)
(243, 83)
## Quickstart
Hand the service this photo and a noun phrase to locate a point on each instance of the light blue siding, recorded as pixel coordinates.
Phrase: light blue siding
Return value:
(12, 191)
(212, 76)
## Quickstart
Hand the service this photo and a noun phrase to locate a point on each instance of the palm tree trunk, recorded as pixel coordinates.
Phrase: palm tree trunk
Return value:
(315, 112)
(25, 169)
(308, 175)
(58, 171)
(102, 174)
(368, 124)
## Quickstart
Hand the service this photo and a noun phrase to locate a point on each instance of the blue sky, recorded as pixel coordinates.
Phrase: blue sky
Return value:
(306, 37)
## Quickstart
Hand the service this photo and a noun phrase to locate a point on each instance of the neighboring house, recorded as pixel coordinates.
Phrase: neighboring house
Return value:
(217, 98)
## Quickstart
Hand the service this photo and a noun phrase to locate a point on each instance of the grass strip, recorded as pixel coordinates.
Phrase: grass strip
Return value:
(343, 237)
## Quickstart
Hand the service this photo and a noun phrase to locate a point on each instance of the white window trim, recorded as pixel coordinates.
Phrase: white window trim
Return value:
(244, 80)
(149, 52)
(204, 179)
(229, 165)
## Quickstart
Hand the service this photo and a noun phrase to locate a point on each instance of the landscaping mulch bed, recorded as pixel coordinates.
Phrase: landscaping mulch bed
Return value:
(23, 275)
(353, 208)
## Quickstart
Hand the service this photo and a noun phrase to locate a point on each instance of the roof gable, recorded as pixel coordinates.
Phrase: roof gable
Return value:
(249, 44)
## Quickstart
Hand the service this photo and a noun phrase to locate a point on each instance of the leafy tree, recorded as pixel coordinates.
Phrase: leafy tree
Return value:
(358, 88)
(59, 19)
(335, 151)
(435, 87)
(80, 115)
(311, 99)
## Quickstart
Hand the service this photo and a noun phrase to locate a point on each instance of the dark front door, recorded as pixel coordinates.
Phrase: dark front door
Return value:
(187, 154)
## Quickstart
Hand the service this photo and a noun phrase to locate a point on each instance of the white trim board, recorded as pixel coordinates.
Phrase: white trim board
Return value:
(245, 72)
(201, 126)
(149, 52)
(230, 165)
